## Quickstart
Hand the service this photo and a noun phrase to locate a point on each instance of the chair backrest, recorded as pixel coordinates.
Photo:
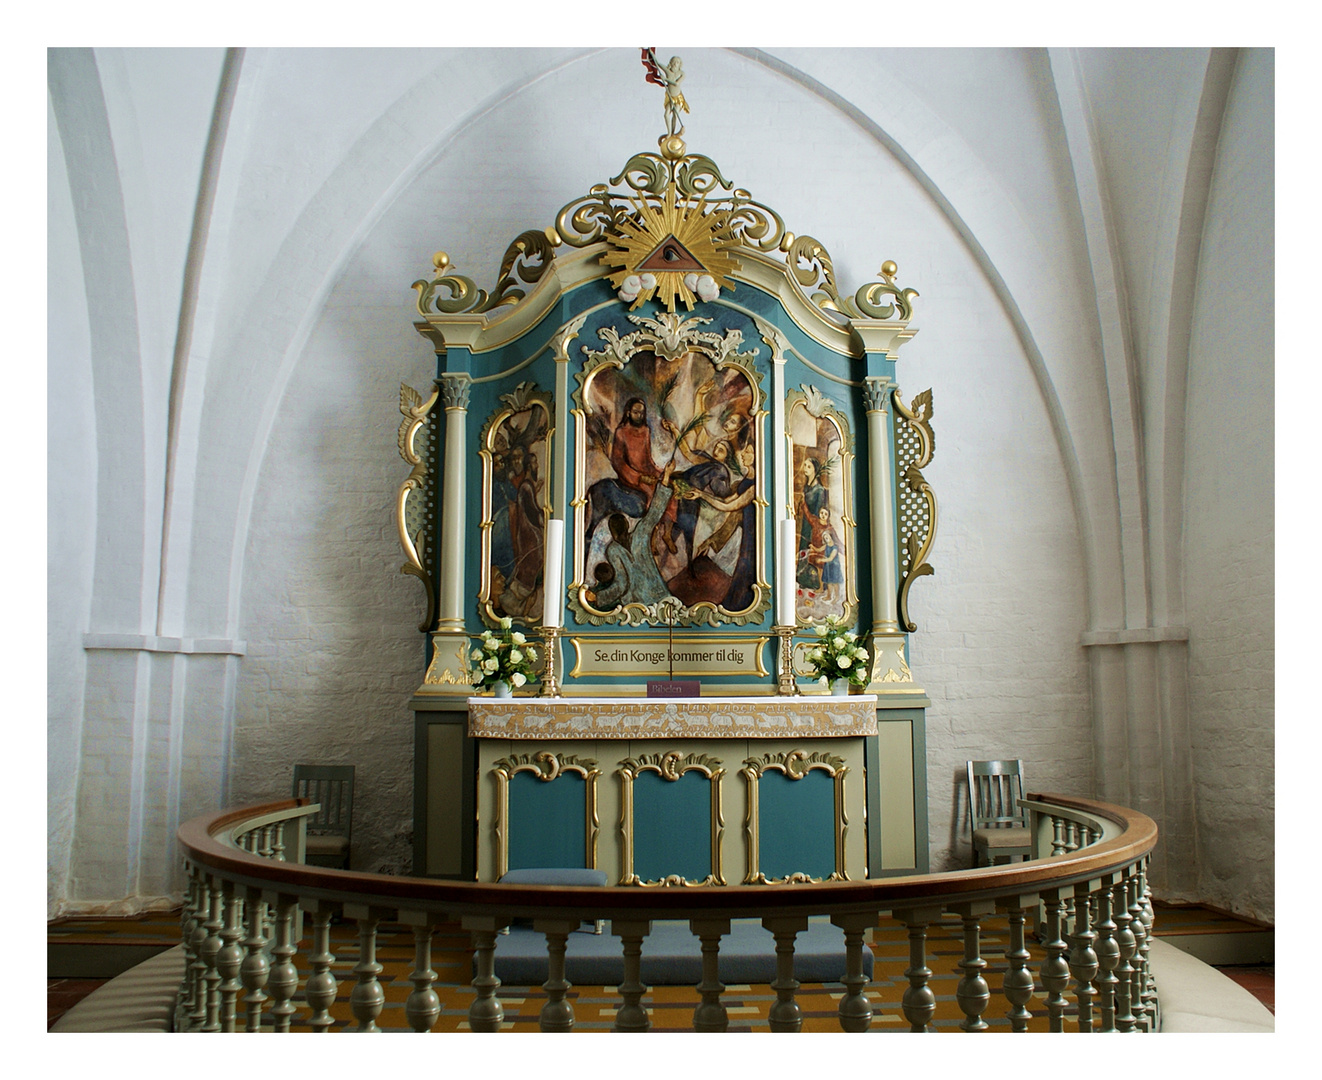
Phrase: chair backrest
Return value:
(332, 786)
(994, 790)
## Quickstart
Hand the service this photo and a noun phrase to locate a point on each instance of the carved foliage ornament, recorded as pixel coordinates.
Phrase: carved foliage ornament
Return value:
(412, 516)
(915, 442)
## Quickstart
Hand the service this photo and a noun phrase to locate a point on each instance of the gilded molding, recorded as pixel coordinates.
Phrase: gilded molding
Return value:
(915, 445)
(670, 766)
(547, 767)
(794, 764)
(416, 531)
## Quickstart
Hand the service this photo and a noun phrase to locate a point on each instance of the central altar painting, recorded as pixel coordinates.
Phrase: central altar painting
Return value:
(670, 493)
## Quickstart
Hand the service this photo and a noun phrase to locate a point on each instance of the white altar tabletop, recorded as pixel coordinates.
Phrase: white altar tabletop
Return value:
(810, 715)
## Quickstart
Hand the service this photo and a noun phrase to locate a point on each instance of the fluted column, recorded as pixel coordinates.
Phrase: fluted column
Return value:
(450, 639)
(881, 504)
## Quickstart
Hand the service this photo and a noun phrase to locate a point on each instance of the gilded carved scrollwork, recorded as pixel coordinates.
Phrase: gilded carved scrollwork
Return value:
(794, 764)
(667, 196)
(547, 767)
(915, 443)
(413, 516)
(670, 766)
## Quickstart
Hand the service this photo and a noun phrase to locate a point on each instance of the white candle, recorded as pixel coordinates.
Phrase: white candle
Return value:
(553, 575)
(787, 549)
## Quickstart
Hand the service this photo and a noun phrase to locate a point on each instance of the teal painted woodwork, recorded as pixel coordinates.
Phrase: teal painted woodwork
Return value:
(547, 821)
(672, 826)
(796, 824)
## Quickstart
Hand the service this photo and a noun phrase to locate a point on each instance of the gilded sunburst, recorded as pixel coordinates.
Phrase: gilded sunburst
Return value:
(670, 234)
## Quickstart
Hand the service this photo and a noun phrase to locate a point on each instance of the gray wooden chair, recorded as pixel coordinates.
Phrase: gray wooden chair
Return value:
(999, 824)
(330, 832)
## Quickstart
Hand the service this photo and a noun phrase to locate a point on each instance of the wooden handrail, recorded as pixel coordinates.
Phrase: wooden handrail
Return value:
(1137, 837)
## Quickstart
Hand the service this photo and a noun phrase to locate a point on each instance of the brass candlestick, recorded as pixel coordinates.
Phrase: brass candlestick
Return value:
(550, 688)
(786, 683)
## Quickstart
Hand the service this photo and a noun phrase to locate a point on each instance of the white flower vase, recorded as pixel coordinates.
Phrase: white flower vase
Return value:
(840, 687)
(501, 688)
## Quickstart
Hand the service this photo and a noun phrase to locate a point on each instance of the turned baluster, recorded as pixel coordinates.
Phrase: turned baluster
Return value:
(855, 1008)
(631, 1016)
(1082, 958)
(278, 843)
(188, 923)
(321, 985)
(1057, 835)
(1071, 837)
(1055, 971)
(919, 1002)
(1125, 944)
(230, 958)
(1018, 982)
(197, 970)
(558, 1013)
(709, 1014)
(283, 979)
(210, 949)
(1108, 956)
(367, 997)
(1136, 924)
(1151, 1002)
(785, 1014)
(264, 848)
(972, 993)
(423, 1007)
(256, 968)
(486, 1012)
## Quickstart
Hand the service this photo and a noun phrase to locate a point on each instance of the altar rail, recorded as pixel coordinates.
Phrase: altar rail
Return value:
(1087, 894)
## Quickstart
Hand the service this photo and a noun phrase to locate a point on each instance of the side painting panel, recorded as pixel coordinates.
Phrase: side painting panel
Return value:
(515, 449)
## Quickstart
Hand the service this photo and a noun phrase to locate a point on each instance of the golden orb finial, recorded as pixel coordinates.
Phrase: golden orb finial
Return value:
(672, 147)
(889, 269)
(440, 260)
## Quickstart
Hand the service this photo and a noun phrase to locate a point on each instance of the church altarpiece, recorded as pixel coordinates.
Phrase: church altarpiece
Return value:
(676, 377)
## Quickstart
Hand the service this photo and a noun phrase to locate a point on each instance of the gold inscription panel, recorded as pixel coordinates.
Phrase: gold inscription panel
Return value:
(650, 656)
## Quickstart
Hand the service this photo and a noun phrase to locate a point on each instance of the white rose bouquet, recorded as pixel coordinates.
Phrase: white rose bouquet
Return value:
(502, 657)
(838, 655)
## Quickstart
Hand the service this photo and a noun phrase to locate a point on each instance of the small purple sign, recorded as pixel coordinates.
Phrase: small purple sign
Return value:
(673, 688)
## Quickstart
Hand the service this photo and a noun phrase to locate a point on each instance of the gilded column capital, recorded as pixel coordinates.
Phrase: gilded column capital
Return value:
(454, 391)
(875, 393)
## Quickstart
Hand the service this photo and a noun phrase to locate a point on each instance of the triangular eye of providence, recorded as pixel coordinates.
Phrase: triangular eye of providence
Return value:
(670, 254)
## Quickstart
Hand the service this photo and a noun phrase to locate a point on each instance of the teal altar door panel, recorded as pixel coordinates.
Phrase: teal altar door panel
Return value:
(797, 825)
(672, 831)
(546, 821)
